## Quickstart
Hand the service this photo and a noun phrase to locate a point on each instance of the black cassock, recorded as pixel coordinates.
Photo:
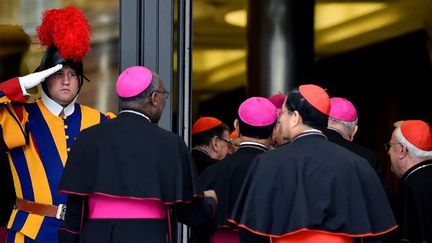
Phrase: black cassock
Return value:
(226, 178)
(414, 212)
(202, 160)
(364, 152)
(311, 183)
(130, 157)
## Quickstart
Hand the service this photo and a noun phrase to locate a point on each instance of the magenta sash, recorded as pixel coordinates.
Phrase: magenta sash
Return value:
(106, 207)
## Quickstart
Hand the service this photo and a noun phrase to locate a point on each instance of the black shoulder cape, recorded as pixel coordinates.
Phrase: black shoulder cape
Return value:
(130, 157)
(363, 152)
(226, 178)
(313, 184)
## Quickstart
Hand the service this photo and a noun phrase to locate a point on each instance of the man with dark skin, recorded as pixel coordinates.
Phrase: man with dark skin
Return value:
(133, 174)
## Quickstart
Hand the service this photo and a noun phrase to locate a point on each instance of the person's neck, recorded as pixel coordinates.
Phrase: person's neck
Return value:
(411, 162)
(264, 142)
(136, 112)
(340, 131)
(149, 113)
(55, 108)
(301, 130)
(141, 111)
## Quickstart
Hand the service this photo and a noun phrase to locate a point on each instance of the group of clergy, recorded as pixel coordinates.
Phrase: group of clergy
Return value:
(294, 174)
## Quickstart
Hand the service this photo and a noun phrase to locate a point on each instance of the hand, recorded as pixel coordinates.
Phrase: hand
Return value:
(210, 193)
(33, 79)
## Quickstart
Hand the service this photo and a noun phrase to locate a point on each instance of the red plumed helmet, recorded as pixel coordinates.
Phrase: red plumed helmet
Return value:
(68, 30)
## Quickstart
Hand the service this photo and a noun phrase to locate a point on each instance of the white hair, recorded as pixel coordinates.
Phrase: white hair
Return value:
(413, 150)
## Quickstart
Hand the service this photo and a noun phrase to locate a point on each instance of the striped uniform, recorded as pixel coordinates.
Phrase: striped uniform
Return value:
(38, 143)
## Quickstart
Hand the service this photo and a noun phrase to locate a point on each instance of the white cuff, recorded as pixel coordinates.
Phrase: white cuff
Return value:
(24, 91)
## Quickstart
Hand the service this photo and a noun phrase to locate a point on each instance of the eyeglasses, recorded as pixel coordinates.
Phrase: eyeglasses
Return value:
(388, 145)
(165, 93)
(225, 140)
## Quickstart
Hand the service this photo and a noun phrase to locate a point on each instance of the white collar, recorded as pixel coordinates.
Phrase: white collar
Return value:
(308, 132)
(135, 112)
(254, 145)
(312, 130)
(55, 108)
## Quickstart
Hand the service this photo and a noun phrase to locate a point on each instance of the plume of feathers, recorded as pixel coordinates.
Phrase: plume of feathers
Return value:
(68, 30)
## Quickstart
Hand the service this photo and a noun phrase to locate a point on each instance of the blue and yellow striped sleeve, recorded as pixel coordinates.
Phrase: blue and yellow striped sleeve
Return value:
(12, 117)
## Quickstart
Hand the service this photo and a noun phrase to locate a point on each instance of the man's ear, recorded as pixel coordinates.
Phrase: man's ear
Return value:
(296, 118)
(402, 151)
(353, 132)
(236, 126)
(152, 99)
(213, 144)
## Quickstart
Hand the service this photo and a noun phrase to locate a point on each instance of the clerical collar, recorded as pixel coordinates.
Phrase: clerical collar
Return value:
(201, 150)
(56, 108)
(415, 168)
(253, 145)
(136, 113)
(309, 132)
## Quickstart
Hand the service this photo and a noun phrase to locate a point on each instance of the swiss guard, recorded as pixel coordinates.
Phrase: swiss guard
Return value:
(38, 135)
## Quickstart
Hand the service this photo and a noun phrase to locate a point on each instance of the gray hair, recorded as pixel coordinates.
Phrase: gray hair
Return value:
(154, 85)
(132, 103)
(350, 125)
(413, 150)
(345, 128)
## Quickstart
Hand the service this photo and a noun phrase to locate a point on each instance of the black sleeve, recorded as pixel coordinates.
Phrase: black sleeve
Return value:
(415, 209)
(197, 213)
(248, 237)
(75, 213)
(379, 169)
